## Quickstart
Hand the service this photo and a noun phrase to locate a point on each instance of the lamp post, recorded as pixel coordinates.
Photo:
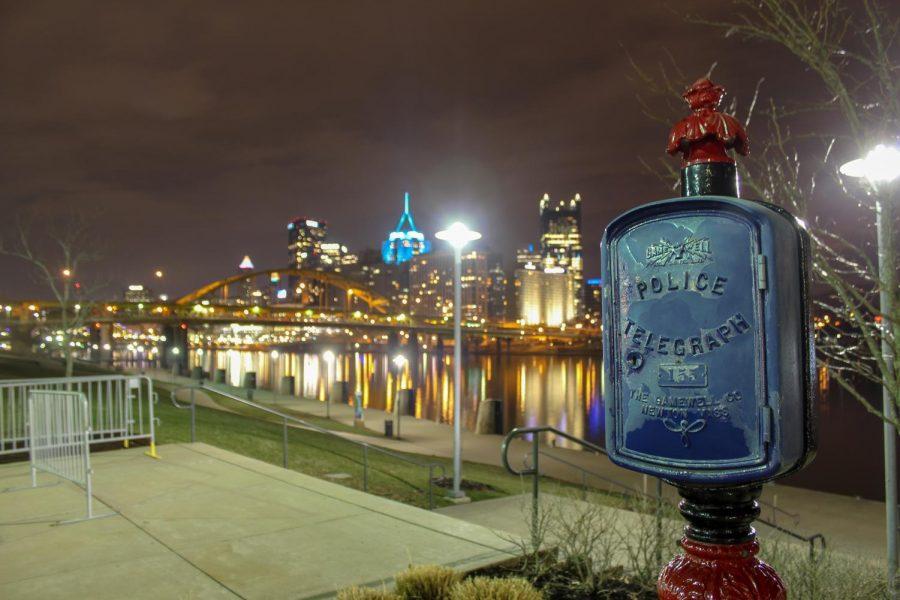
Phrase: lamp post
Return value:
(880, 167)
(457, 235)
(400, 362)
(328, 357)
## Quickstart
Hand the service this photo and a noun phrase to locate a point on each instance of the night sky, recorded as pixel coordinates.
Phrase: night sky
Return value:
(196, 130)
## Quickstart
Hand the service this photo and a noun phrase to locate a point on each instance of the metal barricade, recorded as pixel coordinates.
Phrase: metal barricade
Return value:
(59, 438)
(120, 408)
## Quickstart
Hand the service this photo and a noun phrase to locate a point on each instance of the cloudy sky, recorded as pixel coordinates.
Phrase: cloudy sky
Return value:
(195, 130)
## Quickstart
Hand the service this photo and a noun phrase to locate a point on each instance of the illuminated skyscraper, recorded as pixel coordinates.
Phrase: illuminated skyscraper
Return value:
(431, 285)
(545, 297)
(561, 240)
(335, 257)
(305, 237)
(404, 242)
(498, 293)
(593, 297)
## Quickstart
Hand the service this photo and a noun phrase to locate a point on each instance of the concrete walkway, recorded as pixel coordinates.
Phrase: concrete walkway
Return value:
(206, 523)
(849, 524)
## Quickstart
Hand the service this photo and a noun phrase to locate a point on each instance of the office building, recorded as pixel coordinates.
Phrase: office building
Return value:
(431, 285)
(498, 293)
(593, 298)
(405, 242)
(545, 297)
(305, 238)
(561, 240)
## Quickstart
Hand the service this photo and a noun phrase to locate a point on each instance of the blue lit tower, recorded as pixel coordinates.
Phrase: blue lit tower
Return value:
(404, 242)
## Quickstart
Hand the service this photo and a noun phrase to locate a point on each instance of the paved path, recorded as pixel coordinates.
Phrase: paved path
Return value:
(206, 523)
(850, 524)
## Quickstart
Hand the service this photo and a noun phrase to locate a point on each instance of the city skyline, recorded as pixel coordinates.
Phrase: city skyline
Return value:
(212, 139)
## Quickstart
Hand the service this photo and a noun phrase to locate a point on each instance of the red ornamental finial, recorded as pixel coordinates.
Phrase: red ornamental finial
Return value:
(707, 135)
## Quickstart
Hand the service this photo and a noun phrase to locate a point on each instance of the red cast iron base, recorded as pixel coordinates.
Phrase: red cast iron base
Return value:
(719, 572)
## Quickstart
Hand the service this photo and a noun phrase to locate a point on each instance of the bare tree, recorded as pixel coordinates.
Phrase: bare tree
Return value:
(852, 48)
(60, 252)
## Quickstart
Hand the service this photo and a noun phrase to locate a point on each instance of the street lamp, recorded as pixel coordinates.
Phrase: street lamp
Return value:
(399, 361)
(880, 167)
(457, 235)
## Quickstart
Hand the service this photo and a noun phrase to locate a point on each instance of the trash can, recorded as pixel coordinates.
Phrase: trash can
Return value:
(287, 385)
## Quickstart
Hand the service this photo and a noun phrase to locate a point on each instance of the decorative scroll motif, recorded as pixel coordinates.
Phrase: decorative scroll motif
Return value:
(690, 251)
(684, 428)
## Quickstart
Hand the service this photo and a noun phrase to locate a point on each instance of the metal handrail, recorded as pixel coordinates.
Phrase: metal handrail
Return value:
(286, 418)
(534, 472)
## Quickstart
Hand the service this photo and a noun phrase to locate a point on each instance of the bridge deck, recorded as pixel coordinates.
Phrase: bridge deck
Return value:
(206, 523)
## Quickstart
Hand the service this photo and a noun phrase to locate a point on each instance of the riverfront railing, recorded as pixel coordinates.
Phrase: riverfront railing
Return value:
(288, 422)
(532, 468)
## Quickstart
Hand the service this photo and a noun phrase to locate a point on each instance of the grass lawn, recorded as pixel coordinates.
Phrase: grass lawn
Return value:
(254, 434)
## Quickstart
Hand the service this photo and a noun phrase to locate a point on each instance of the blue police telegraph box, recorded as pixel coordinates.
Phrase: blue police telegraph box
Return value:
(708, 355)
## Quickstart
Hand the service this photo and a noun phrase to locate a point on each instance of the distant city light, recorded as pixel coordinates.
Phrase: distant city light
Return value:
(176, 351)
(67, 272)
(274, 354)
(164, 297)
(158, 273)
(399, 361)
(246, 264)
(458, 235)
(880, 165)
(328, 356)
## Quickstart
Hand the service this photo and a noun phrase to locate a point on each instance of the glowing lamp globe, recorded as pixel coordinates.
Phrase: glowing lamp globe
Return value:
(880, 165)
(458, 235)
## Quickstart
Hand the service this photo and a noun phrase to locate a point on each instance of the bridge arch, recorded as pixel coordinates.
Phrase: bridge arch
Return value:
(375, 301)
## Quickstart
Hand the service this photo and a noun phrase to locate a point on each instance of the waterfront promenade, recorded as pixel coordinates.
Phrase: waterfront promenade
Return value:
(850, 525)
(202, 522)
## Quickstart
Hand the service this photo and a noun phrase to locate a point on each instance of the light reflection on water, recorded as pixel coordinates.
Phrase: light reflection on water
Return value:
(561, 391)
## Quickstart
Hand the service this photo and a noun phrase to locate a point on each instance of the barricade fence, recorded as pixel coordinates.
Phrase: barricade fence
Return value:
(120, 408)
(59, 440)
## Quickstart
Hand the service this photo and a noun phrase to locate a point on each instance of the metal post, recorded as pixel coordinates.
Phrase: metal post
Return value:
(193, 417)
(884, 225)
(327, 390)
(457, 372)
(659, 523)
(535, 491)
(284, 443)
(86, 457)
(430, 488)
(365, 467)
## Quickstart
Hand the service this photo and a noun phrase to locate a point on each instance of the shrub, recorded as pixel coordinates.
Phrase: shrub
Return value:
(426, 582)
(830, 576)
(486, 588)
(366, 593)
